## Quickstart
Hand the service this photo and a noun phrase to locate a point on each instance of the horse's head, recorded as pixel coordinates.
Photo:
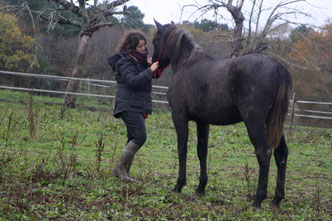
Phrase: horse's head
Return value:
(160, 38)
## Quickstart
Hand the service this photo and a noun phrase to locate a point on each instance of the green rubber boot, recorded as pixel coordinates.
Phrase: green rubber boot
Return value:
(121, 170)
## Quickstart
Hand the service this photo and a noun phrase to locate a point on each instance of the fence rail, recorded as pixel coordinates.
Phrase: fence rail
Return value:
(294, 112)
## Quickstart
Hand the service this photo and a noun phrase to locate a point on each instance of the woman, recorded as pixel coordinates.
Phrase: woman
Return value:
(133, 73)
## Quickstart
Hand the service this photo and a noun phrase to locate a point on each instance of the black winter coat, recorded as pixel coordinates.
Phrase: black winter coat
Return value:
(134, 81)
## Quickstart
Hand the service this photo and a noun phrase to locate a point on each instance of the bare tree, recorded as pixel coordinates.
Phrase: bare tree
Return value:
(276, 18)
(256, 31)
(88, 18)
(92, 21)
(237, 15)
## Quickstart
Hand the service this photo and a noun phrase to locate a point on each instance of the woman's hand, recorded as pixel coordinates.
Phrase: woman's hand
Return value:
(149, 60)
(154, 66)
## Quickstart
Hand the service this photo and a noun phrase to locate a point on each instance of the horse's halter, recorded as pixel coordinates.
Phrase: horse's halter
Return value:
(160, 70)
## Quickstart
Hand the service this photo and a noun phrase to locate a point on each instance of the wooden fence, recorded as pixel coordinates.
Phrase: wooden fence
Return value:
(310, 113)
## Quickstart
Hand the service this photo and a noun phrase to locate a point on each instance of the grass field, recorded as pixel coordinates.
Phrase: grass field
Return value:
(55, 165)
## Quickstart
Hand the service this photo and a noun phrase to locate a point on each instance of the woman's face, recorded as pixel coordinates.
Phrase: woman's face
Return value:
(141, 45)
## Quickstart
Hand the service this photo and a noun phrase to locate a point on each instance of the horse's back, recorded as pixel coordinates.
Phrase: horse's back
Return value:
(218, 91)
(255, 77)
(254, 82)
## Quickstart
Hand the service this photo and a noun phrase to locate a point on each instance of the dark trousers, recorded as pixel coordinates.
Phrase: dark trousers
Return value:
(136, 130)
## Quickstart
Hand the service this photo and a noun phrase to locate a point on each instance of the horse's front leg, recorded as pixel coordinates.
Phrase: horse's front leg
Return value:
(202, 150)
(181, 127)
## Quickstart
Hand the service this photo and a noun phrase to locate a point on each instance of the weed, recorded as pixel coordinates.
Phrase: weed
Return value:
(5, 159)
(247, 179)
(318, 199)
(4, 113)
(67, 163)
(62, 112)
(99, 151)
(31, 116)
(8, 126)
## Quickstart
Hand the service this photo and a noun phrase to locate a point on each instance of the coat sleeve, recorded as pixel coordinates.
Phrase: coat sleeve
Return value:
(131, 77)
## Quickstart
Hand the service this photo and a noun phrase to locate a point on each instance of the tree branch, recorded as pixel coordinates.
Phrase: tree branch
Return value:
(110, 13)
(238, 18)
(66, 21)
(69, 6)
(55, 17)
(95, 28)
(250, 22)
(116, 3)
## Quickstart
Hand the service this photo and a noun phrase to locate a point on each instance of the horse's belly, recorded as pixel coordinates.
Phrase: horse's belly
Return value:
(219, 116)
(224, 119)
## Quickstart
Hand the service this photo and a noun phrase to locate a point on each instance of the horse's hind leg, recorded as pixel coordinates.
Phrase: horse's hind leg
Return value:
(202, 150)
(181, 127)
(280, 156)
(263, 150)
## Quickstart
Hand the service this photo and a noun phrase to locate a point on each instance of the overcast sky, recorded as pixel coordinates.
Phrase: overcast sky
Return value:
(165, 11)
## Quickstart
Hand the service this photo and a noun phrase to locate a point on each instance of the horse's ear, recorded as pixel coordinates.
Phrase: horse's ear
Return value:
(159, 26)
(172, 22)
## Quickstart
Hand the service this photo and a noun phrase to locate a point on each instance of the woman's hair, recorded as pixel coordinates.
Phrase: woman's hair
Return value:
(131, 39)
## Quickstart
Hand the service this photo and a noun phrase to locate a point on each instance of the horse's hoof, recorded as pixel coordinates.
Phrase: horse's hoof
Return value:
(176, 190)
(256, 207)
(200, 193)
(274, 206)
(276, 201)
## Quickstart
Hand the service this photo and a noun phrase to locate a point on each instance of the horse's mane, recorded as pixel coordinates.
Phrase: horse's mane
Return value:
(180, 37)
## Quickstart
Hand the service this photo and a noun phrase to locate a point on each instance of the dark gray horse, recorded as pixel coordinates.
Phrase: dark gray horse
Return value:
(253, 88)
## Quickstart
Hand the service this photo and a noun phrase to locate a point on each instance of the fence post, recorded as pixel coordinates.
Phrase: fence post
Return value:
(292, 115)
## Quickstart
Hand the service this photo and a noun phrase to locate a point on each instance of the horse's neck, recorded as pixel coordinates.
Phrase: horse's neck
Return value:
(181, 58)
(186, 54)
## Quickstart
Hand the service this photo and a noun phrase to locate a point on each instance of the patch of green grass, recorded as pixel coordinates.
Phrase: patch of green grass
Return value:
(54, 175)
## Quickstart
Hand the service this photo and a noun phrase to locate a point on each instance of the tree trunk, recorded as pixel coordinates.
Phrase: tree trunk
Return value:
(70, 99)
(237, 36)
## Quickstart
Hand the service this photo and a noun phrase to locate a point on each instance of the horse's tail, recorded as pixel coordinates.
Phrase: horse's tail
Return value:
(278, 113)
